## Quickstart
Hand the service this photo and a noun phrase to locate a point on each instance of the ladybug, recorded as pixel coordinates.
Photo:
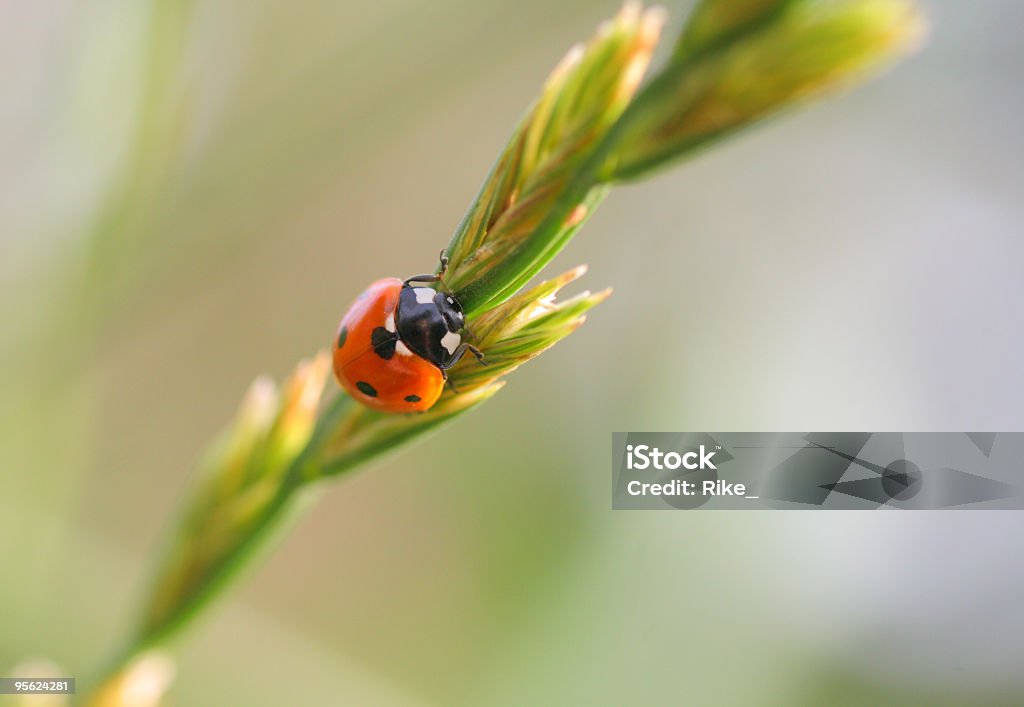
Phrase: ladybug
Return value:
(397, 340)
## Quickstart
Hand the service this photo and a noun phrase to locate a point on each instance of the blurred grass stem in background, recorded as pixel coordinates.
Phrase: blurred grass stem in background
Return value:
(597, 122)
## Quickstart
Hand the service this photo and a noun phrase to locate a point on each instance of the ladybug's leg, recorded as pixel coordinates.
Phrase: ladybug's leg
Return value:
(432, 278)
(423, 278)
(476, 352)
(451, 383)
(461, 351)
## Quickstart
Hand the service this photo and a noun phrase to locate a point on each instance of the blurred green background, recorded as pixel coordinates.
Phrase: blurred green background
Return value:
(191, 193)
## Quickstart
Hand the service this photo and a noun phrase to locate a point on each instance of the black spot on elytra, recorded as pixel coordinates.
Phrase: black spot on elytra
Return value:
(367, 389)
(412, 398)
(342, 335)
(383, 342)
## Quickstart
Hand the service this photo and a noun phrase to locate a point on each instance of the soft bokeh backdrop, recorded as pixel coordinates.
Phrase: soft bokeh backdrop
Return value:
(192, 192)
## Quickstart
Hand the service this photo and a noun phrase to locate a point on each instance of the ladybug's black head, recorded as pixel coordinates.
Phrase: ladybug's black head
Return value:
(451, 310)
(429, 322)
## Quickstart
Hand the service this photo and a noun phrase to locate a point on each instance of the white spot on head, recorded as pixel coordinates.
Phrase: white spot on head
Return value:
(424, 295)
(451, 301)
(402, 349)
(450, 342)
(389, 323)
